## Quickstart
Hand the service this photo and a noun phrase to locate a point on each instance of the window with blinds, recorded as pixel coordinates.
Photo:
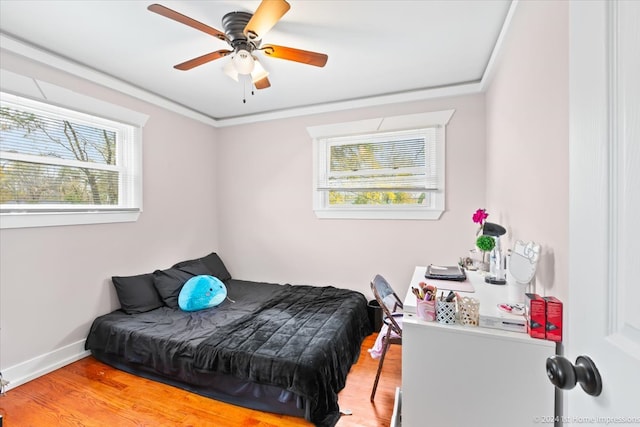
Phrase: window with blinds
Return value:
(377, 169)
(54, 159)
(382, 173)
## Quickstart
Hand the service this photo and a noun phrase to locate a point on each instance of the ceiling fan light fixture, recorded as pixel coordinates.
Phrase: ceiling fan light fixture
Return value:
(243, 62)
(258, 72)
(230, 70)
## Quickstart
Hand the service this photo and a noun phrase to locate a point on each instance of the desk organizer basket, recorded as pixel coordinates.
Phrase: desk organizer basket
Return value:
(446, 312)
(469, 311)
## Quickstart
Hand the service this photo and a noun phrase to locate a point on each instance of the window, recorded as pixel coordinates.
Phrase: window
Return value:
(59, 166)
(382, 168)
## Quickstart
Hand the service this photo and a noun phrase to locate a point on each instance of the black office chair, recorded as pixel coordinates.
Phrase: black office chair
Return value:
(389, 303)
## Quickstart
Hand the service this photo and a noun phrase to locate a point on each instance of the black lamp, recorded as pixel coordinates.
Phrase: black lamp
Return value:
(493, 230)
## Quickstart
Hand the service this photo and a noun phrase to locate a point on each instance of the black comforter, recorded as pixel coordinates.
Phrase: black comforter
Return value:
(301, 338)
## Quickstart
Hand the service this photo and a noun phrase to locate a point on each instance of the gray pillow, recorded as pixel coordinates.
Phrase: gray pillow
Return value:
(169, 282)
(137, 294)
(215, 266)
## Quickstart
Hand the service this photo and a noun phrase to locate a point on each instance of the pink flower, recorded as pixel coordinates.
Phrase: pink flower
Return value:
(480, 216)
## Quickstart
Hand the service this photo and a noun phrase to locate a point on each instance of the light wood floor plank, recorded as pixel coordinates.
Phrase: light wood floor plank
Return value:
(88, 393)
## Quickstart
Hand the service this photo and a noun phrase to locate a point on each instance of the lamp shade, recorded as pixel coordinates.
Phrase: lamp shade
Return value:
(230, 70)
(243, 62)
(258, 72)
(491, 229)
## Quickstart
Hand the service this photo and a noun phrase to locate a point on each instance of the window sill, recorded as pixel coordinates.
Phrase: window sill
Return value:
(51, 219)
(423, 214)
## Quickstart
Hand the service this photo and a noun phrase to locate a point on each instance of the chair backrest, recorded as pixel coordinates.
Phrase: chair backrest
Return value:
(388, 301)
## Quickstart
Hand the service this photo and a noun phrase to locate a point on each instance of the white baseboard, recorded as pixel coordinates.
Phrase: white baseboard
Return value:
(41, 365)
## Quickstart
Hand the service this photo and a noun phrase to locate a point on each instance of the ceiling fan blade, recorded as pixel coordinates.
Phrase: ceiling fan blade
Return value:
(187, 65)
(297, 55)
(263, 83)
(265, 17)
(176, 16)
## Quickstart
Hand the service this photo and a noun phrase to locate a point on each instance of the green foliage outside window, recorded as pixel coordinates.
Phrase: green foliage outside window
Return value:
(374, 164)
(46, 181)
(376, 198)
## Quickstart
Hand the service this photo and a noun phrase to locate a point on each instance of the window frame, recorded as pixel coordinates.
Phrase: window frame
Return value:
(322, 134)
(17, 89)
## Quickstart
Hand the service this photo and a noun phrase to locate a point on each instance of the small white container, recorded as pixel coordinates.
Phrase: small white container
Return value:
(446, 312)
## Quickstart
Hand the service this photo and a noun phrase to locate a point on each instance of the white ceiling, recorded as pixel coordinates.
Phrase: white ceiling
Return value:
(375, 48)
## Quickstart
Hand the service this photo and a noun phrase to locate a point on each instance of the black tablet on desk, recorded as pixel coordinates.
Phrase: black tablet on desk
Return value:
(438, 272)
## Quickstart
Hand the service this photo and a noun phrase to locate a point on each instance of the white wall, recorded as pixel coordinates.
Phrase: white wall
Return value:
(268, 230)
(55, 280)
(528, 137)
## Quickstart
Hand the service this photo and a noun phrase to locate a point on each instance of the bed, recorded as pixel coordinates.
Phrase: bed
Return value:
(278, 348)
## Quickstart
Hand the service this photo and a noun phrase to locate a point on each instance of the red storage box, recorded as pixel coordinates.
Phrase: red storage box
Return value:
(554, 319)
(535, 313)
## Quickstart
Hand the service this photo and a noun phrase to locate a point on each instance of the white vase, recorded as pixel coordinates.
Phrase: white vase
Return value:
(484, 264)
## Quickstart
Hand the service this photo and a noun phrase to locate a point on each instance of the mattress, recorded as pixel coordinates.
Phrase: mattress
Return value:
(280, 348)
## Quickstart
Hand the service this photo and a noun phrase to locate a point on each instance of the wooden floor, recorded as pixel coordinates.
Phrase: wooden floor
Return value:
(89, 393)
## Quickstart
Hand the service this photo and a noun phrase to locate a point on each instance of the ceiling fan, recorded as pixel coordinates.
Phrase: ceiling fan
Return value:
(244, 31)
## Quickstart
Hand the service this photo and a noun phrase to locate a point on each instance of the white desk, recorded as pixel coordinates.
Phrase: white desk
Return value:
(455, 375)
(489, 295)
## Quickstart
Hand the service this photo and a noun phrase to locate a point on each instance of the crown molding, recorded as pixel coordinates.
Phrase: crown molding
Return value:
(490, 69)
(53, 60)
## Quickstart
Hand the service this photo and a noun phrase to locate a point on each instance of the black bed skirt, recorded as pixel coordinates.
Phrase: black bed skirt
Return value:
(221, 387)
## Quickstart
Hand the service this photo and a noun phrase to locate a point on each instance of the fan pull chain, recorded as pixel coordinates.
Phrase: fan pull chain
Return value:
(246, 82)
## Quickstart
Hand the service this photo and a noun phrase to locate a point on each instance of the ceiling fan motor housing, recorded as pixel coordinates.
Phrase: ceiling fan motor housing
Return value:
(234, 24)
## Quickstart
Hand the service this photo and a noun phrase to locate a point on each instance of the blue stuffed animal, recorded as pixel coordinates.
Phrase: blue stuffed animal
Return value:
(201, 292)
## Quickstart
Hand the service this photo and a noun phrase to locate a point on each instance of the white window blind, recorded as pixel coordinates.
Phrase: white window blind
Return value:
(389, 161)
(55, 160)
(387, 168)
